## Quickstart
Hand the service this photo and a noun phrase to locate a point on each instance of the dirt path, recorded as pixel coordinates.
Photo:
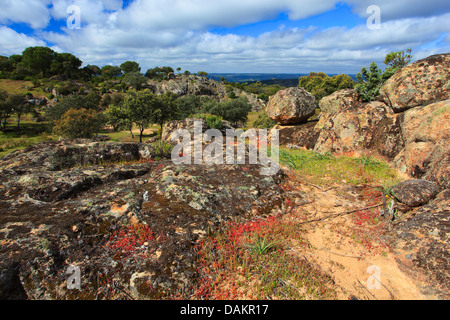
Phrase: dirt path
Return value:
(352, 247)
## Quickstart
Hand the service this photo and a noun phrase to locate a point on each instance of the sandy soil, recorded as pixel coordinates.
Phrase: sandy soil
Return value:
(358, 272)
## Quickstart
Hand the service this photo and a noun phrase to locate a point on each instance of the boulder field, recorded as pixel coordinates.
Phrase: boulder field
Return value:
(409, 127)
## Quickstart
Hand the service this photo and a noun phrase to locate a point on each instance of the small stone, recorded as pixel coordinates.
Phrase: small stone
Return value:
(415, 193)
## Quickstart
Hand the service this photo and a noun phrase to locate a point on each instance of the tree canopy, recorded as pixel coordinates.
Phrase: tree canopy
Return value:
(322, 85)
(130, 66)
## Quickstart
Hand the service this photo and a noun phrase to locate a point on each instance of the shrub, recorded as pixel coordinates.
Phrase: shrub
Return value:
(370, 81)
(214, 122)
(321, 85)
(162, 149)
(264, 122)
(79, 123)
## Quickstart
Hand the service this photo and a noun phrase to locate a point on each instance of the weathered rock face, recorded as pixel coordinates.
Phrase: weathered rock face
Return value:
(300, 136)
(349, 126)
(131, 228)
(415, 193)
(66, 154)
(290, 106)
(415, 137)
(420, 83)
(426, 131)
(421, 244)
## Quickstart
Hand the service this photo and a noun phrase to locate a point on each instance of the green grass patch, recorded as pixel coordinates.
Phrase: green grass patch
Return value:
(326, 169)
(21, 87)
(252, 116)
(29, 134)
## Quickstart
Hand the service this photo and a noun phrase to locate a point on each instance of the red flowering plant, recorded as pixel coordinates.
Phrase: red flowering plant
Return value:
(132, 239)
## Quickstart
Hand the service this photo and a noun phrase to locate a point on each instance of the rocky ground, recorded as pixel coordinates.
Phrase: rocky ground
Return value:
(132, 225)
(133, 222)
(128, 222)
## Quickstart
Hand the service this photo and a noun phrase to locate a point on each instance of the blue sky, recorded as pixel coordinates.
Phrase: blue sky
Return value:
(261, 36)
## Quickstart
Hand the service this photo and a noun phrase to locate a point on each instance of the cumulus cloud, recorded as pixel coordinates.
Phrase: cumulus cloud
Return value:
(12, 42)
(177, 32)
(32, 12)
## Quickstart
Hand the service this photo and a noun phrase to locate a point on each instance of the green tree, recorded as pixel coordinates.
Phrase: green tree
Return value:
(321, 85)
(79, 123)
(187, 105)
(90, 71)
(130, 66)
(6, 65)
(66, 65)
(158, 73)
(134, 79)
(90, 102)
(202, 73)
(235, 110)
(139, 109)
(118, 116)
(5, 109)
(111, 72)
(19, 106)
(38, 59)
(370, 81)
(398, 59)
(164, 109)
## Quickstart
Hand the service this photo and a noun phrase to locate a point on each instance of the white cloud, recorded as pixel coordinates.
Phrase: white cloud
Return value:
(12, 42)
(32, 12)
(400, 9)
(176, 32)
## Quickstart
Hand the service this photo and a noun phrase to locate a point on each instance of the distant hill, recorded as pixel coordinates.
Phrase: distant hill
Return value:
(282, 79)
(253, 77)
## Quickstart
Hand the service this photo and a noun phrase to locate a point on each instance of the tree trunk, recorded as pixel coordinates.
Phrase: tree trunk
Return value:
(141, 135)
(18, 121)
(131, 131)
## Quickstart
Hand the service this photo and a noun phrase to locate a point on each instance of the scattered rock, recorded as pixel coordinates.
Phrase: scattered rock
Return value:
(415, 193)
(292, 105)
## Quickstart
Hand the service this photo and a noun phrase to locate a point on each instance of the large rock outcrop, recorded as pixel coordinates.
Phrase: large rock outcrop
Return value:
(426, 132)
(409, 125)
(421, 244)
(418, 84)
(347, 125)
(130, 226)
(290, 106)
